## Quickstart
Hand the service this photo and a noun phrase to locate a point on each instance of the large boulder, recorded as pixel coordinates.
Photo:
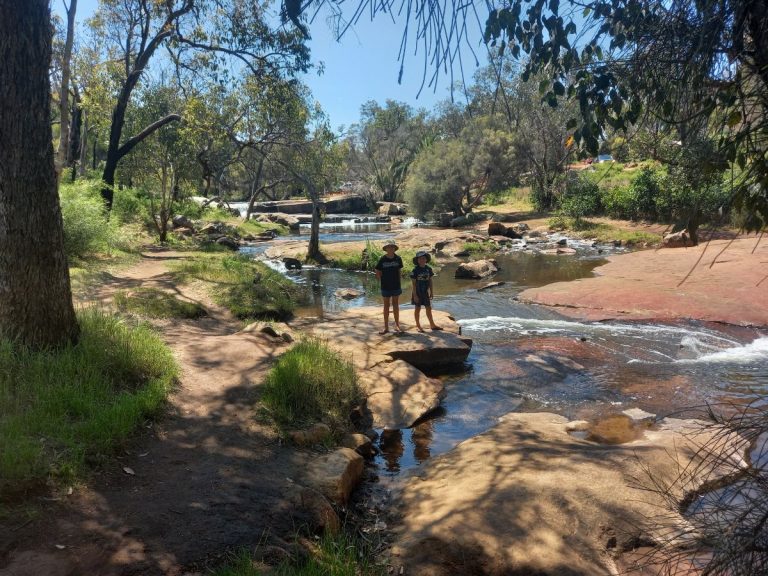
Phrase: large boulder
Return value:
(392, 208)
(477, 269)
(498, 229)
(336, 474)
(527, 497)
(679, 239)
(181, 221)
(398, 394)
(228, 242)
(292, 263)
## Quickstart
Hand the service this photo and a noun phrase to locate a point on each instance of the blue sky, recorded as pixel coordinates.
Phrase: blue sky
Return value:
(362, 66)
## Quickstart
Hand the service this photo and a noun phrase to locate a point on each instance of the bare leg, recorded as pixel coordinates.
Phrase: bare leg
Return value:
(386, 315)
(429, 317)
(396, 312)
(416, 314)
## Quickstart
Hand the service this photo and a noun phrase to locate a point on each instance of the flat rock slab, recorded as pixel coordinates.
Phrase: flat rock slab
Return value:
(728, 287)
(399, 394)
(528, 498)
(356, 334)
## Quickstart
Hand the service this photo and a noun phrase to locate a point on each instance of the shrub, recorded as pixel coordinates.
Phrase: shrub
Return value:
(645, 192)
(130, 205)
(86, 228)
(311, 383)
(59, 409)
(581, 197)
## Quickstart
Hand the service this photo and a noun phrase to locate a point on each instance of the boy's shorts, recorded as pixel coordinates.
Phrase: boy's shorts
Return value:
(390, 293)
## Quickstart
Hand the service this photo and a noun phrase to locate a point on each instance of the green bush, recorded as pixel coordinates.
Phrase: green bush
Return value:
(86, 228)
(130, 205)
(60, 409)
(646, 191)
(311, 383)
(581, 197)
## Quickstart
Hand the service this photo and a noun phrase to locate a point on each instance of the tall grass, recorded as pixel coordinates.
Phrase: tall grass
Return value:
(63, 408)
(155, 303)
(249, 289)
(334, 555)
(87, 229)
(311, 383)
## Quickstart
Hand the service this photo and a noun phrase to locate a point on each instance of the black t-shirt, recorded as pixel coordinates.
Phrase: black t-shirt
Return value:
(390, 272)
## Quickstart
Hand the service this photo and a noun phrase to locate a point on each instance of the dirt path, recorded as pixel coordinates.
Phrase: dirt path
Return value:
(207, 478)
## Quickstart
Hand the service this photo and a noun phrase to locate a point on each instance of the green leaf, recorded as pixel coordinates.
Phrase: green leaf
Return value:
(543, 85)
(559, 88)
(571, 124)
(734, 118)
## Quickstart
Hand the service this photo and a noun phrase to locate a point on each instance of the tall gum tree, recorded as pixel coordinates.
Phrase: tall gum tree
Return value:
(35, 295)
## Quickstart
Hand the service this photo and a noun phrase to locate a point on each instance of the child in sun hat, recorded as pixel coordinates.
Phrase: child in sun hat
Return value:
(388, 272)
(422, 294)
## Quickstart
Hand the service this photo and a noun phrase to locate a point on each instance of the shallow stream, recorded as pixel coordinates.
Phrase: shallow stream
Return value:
(529, 358)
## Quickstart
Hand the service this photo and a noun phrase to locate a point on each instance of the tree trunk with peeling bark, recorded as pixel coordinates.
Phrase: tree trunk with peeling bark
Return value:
(35, 295)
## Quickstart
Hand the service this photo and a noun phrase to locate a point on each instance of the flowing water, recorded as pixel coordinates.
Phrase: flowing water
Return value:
(529, 358)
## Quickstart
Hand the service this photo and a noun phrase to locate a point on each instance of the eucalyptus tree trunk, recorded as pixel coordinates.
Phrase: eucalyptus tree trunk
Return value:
(63, 158)
(35, 296)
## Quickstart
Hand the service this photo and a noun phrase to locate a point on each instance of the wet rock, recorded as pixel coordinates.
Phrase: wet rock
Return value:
(562, 242)
(317, 434)
(228, 242)
(181, 221)
(348, 293)
(336, 474)
(559, 251)
(477, 269)
(292, 263)
(679, 239)
(490, 285)
(399, 394)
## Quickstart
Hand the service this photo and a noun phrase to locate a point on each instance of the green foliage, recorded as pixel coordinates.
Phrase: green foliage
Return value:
(155, 303)
(130, 205)
(335, 555)
(581, 198)
(249, 289)
(480, 247)
(86, 228)
(311, 383)
(61, 409)
(603, 233)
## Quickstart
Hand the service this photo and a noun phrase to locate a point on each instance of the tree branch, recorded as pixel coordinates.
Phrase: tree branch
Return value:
(148, 131)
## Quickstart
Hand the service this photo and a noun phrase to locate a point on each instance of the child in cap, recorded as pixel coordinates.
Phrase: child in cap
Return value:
(388, 272)
(422, 294)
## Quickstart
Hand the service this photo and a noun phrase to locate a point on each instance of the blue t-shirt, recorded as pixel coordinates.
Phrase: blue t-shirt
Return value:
(422, 276)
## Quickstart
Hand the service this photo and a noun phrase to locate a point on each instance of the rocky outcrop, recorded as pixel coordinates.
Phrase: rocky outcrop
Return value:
(316, 434)
(344, 204)
(477, 269)
(528, 498)
(390, 367)
(336, 474)
(228, 242)
(293, 223)
(647, 285)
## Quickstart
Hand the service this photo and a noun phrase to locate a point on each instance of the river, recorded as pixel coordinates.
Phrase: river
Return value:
(529, 358)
